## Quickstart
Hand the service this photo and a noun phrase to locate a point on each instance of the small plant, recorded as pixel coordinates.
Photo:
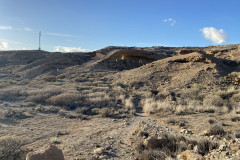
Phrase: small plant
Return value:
(104, 112)
(211, 121)
(196, 85)
(182, 123)
(171, 121)
(235, 118)
(217, 130)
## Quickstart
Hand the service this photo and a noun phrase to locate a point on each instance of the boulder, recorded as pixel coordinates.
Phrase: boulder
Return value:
(48, 152)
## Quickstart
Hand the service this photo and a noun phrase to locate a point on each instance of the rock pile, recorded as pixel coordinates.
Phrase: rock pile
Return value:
(233, 78)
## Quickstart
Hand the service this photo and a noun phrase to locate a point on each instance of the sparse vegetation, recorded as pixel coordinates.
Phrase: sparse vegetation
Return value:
(12, 94)
(10, 147)
(41, 95)
(189, 94)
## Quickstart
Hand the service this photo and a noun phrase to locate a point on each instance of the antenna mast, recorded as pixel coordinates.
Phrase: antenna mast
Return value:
(39, 41)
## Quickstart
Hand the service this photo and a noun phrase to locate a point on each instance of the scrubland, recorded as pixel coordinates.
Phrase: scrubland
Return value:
(133, 103)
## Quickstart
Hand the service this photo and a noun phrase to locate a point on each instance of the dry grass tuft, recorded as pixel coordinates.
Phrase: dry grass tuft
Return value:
(12, 94)
(150, 105)
(217, 130)
(68, 100)
(49, 78)
(128, 104)
(40, 96)
(10, 147)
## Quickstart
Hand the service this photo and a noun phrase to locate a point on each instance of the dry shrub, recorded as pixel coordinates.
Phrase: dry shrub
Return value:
(205, 146)
(49, 78)
(217, 130)
(185, 109)
(235, 118)
(11, 94)
(104, 112)
(46, 109)
(150, 105)
(40, 96)
(10, 113)
(10, 147)
(128, 104)
(172, 145)
(99, 99)
(68, 100)
(213, 100)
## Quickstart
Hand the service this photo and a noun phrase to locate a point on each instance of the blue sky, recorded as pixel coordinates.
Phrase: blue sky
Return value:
(81, 25)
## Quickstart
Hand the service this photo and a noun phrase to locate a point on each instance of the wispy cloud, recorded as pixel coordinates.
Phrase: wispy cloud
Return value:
(6, 27)
(170, 20)
(69, 49)
(3, 46)
(27, 29)
(214, 35)
(60, 34)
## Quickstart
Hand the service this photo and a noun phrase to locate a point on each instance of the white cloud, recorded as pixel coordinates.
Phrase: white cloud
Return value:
(69, 49)
(171, 21)
(27, 29)
(5, 27)
(9, 41)
(60, 34)
(3, 46)
(214, 35)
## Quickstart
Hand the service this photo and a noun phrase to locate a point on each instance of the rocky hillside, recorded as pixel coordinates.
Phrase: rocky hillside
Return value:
(122, 103)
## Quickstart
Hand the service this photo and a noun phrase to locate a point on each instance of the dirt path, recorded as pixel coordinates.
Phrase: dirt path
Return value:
(115, 135)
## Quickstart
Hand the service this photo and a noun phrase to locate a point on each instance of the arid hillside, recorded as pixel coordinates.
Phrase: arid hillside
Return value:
(122, 103)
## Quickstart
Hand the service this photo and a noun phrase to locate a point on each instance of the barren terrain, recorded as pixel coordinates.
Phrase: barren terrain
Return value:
(123, 102)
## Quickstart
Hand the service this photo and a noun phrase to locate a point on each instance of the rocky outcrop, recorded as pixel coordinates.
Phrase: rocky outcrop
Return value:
(123, 59)
(49, 152)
